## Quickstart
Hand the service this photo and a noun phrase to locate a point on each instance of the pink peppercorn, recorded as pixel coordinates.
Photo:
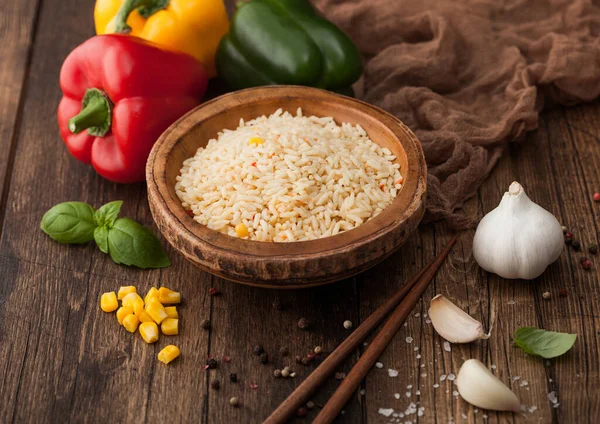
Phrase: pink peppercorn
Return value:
(586, 264)
(597, 197)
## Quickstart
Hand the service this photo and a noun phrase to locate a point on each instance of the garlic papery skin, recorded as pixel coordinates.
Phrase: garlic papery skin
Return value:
(518, 239)
(452, 323)
(478, 386)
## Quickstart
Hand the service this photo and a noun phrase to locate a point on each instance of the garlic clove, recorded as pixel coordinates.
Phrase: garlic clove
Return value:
(518, 239)
(478, 386)
(452, 323)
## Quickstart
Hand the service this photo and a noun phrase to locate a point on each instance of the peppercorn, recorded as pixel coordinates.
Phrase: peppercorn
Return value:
(596, 197)
(277, 305)
(233, 377)
(258, 350)
(284, 351)
(305, 361)
(593, 248)
(586, 264)
(277, 373)
(298, 359)
(347, 324)
(576, 245)
(563, 292)
(234, 401)
(303, 324)
(211, 363)
(205, 324)
(310, 404)
(285, 373)
(564, 229)
(318, 350)
(215, 384)
(568, 238)
(302, 412)
(546, 295)
(263, 358)
(311, 356)
(213, 291)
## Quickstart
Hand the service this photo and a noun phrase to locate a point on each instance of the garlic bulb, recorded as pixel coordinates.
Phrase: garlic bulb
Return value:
(452, 323)
(478, 386)
(519, 238)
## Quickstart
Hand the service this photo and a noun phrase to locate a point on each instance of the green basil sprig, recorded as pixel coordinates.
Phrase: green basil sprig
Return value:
(546, 344)
(126, 241)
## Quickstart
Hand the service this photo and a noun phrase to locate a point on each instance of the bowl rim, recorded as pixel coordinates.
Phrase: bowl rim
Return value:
(411, 196)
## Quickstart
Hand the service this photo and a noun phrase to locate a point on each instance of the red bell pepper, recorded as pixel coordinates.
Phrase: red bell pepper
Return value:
(125, 92)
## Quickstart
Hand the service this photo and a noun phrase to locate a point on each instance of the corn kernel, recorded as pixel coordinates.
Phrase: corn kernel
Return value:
(156, 310)
(131, 322)
(241, 230)
(169, 353)
(130, 299)
(153, 292)
(170, 326)
(124, 291)
(149, 331)
(255, 141)
(144, 317)
(172, 312)
(168, 296)
(138, 306)
(109, 302)
(123, 312)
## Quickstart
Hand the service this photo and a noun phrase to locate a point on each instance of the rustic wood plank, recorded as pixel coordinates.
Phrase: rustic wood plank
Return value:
(243, 317)
(17, 30)
(69, 359)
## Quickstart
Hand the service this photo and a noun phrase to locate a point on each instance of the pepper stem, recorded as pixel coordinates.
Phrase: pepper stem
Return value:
(146, 8)
(95, 115)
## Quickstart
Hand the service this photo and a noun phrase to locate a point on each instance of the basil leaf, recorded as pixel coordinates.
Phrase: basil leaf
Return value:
(101, 238)
(546, 344)
(130, 243)
(69, 222)
(108, 214)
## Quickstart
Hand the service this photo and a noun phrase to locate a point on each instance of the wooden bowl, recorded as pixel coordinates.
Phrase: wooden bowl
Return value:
(292, 264)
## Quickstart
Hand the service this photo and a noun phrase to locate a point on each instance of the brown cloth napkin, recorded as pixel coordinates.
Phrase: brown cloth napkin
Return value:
(470, 76)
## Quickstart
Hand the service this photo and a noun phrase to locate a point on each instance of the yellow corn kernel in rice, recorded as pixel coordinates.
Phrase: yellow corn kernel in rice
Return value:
(241, 230)
(255, 141)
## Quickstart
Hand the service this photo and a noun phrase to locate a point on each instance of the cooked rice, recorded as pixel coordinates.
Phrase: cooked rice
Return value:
(311, 178)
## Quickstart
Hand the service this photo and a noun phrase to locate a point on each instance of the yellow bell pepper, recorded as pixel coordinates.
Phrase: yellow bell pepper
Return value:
(190, 26)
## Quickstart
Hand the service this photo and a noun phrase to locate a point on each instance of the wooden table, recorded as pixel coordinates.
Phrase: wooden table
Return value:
(63, 359)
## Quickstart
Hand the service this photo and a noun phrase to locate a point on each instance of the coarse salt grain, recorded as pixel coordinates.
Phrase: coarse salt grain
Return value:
(451, 377)
(397, 395)
(392, 373)
(386, 412)
(378, 365)
(409, 339)
(447, 347)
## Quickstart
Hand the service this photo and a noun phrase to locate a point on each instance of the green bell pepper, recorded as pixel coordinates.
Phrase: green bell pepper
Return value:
(286, 42)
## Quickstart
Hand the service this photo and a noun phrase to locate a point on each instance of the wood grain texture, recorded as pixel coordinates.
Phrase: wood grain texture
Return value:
(284, 265)
(64, 360)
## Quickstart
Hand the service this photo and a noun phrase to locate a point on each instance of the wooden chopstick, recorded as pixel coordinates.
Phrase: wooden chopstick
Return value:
(303, 392)
(335, 404)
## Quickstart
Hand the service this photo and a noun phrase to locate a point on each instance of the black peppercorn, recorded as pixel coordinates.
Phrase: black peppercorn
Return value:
(593, 249)
(258, 350)
(263, 358)
(284, 351)
(303, 324)
(305, 361)
(205, 324)
(576, 245)
(211, 363)
(233, 377)
(215, 384)
(277, 305)
(298, 359)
